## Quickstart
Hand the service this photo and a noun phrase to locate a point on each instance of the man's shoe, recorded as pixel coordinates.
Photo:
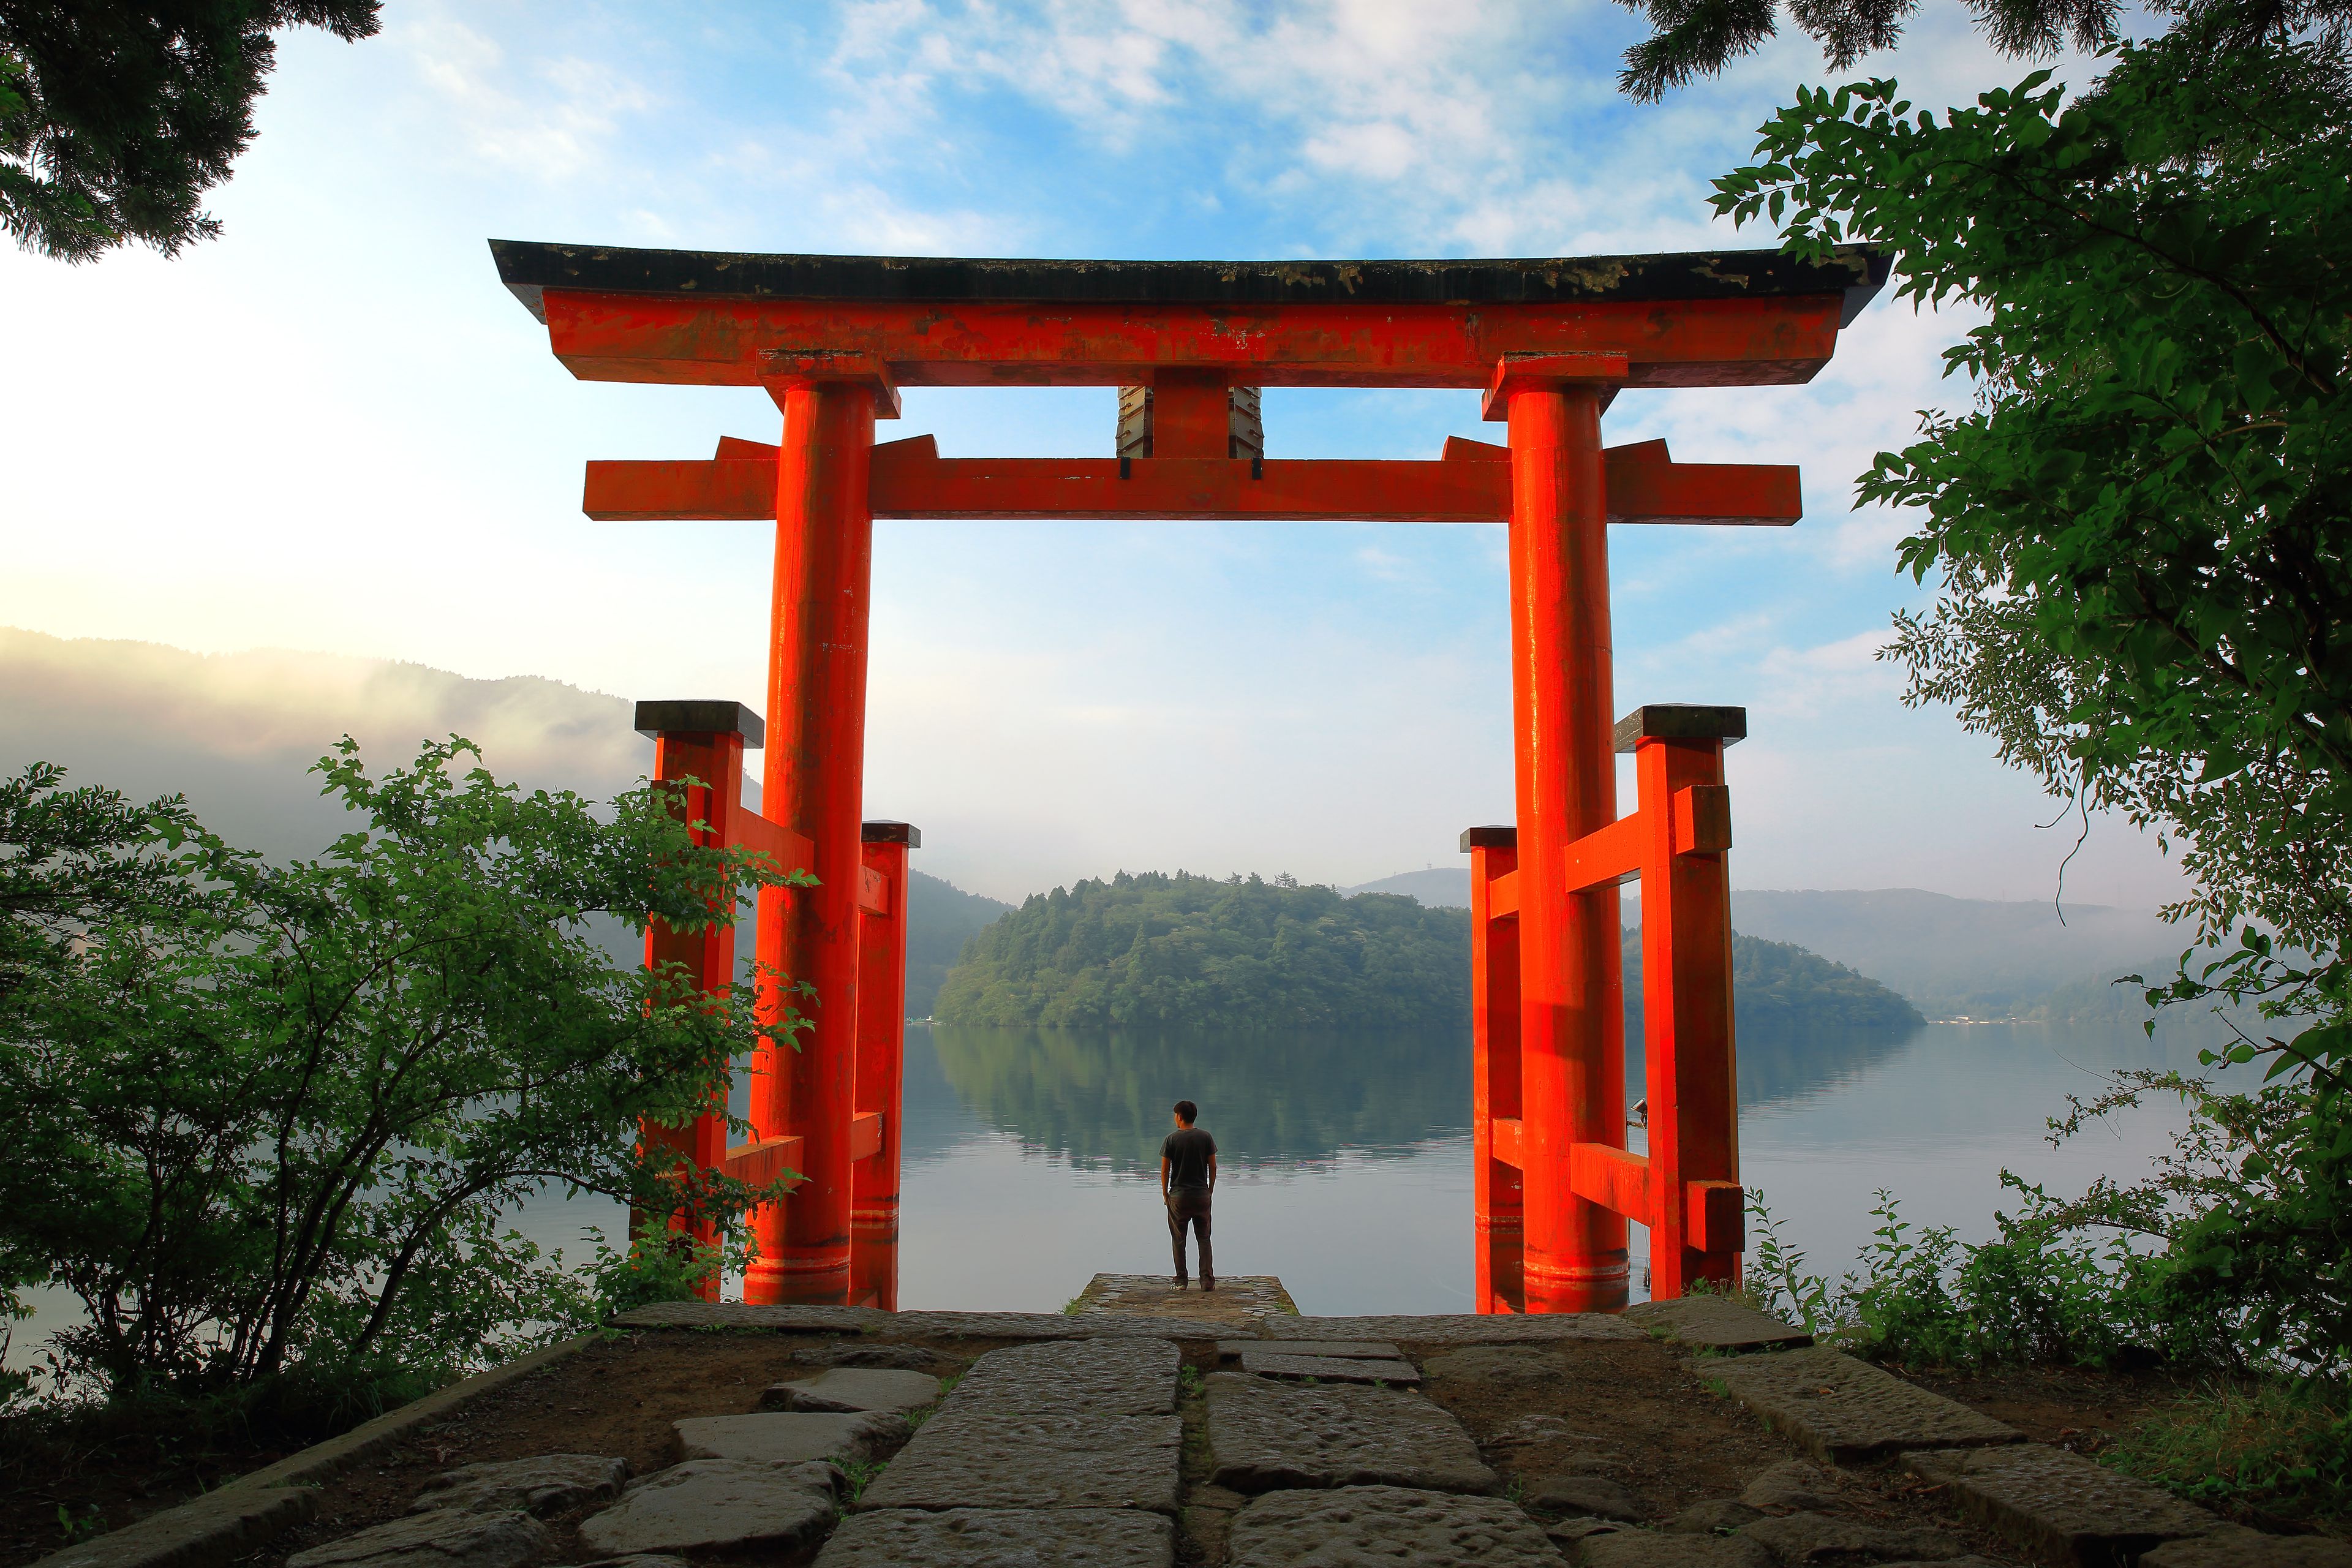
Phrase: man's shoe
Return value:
(1207, 1283)
(1178, 1282)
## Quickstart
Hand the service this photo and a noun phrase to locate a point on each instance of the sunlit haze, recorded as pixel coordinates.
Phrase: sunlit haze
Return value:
(331, 432)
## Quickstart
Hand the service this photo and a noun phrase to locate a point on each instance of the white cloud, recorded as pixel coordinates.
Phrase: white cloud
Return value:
(556, 118)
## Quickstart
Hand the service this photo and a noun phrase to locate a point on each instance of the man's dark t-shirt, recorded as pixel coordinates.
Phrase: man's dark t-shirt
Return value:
(1187, 1152)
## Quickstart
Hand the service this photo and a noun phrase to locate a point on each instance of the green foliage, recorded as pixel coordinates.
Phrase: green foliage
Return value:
(660, 1265)
(1778, 985)
(266, 1118)
(2146, 601)
(115, 118)
(940, 918)
(1254, 956)
(1699, 37)
(2284, 1448)
(1924, 1298)
(1246, 955)
(2139, 526)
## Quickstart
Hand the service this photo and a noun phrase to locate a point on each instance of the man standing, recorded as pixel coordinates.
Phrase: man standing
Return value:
(1188, 1175)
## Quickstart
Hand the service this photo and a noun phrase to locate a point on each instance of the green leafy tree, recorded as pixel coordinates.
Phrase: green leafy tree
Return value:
(2141, 525)
(1699, 37)
(115, 118)
(2139, 529)
(1248, 954)
(265, 1119)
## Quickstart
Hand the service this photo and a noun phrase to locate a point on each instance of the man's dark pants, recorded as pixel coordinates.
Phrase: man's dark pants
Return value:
(1190, 1205)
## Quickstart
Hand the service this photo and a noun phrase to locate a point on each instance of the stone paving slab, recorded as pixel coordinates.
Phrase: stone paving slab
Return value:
(742, 1315)
(2059, 1506)
(545, 1486)
(1654, 1549)
(1263, 1436)
(1095, 1377)
(716, 1505)
(2234, 1546)
(1047, 1326)
(1843, 1410)
(848, 1389)
(443, 1537)
(1012, 1538)
(1464, 1328)
(1239, 1303)
(1523, 1366)
(1329, 1368)
(1358, 1350)
(1379, 1527)
(788, 1439)
(1713, 1323)
(988, 1459)
(906, 1325)
(1808, 1537)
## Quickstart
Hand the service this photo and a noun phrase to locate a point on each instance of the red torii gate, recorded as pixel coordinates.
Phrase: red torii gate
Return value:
(832, 339)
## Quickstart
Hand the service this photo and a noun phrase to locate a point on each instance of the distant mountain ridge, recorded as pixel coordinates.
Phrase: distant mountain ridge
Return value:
(1950, 957)
(237, 733)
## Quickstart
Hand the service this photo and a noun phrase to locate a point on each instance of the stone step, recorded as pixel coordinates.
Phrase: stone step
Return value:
(450, 1536)
(2234, 1546)
(1034, 1538)
(1264, 1436)
(716, 1506)
(1329, 1368)
(853, 1389)
(1843, 1410)
(1381, 1526)
(1464, 1328)
(988, 1458)
(1710, 1322)
(1089, 1377)
(2060, 1506)
(1356, 1349)
(782, 1439)
(1086, 1424)
(544, 1487)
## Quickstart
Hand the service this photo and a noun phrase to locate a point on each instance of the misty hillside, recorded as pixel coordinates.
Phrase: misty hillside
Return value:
(237, 733)
(1950, 957)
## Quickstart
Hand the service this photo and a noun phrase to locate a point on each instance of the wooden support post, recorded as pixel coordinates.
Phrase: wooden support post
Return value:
(1571, 1025)
(1497, 1189)
(702, 741)
(812, 782)
(1696, 1219)
(881, 1068)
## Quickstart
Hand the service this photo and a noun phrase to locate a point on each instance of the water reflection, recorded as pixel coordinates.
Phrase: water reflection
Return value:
(1781, 1064)
(1101, 1100)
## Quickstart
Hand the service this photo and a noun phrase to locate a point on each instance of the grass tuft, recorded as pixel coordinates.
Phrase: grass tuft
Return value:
(2270, 1451)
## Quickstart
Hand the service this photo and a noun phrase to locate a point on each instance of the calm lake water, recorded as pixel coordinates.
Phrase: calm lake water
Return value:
(1032, 1155)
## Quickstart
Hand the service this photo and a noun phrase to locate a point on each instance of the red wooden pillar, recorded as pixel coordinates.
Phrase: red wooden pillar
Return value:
(703, 741)
(1696, 1224)
(814, 784)
(881, 1066)
(1571, 1026)
(1497, 1192)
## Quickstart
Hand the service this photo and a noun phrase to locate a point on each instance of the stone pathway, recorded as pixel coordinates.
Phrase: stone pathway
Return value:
(1088, 1425)
(1242, 1302)
(1313, 1449)
(1845, 1410)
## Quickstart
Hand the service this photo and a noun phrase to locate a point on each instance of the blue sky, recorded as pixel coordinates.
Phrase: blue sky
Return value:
(332, 431)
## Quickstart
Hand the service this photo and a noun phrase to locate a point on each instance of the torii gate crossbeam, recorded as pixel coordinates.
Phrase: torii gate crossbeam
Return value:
(1549, 341)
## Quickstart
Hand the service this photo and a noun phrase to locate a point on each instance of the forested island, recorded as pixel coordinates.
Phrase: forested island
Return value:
(1778, 986)
(1241, 953)
(1244, 954)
